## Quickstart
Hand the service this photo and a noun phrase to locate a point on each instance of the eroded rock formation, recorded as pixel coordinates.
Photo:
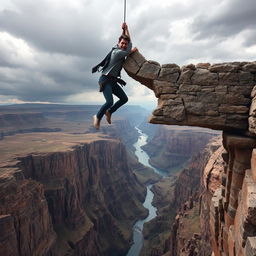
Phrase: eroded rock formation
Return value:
(76, 201)
(219, 96)
(171, 147)
(213, 96)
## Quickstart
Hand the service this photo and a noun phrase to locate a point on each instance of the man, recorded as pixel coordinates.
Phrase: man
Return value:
(112, 66)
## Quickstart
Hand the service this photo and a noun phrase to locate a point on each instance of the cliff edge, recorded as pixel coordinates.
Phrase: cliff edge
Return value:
(64, 194)
(222, 97)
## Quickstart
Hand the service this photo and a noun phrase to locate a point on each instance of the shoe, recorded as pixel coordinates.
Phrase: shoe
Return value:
(108, 116)
(96, 122)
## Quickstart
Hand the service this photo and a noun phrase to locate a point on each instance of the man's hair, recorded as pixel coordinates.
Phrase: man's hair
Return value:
(125, 37)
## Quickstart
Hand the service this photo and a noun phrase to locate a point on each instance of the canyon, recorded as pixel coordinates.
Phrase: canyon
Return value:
(222, 97)
(59, 190)
(62, 199)
(74, 193)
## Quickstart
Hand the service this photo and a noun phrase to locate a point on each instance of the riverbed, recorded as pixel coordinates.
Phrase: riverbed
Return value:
(138, 226)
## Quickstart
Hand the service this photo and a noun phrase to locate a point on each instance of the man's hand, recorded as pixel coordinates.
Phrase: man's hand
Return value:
(125, 30)
(135, 49)
(124, 26)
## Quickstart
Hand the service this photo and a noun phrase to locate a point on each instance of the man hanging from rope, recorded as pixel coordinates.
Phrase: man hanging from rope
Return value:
(110, 78)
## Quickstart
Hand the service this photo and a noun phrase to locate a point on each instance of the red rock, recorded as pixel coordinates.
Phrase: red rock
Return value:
(231, 242)
(253, 165)
(77, 193)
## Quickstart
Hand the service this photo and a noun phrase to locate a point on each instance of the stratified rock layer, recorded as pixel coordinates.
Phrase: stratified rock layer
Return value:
(171, 147)
(76, 201)
(213, 96)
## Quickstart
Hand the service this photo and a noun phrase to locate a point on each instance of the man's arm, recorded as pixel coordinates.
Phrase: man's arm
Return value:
(126, 32)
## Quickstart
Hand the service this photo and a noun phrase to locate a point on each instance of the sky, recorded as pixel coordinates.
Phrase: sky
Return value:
(48, 47)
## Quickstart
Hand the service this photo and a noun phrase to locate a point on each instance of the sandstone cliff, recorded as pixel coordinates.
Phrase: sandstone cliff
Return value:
(180, 197)
(172, 147)
(75, 198)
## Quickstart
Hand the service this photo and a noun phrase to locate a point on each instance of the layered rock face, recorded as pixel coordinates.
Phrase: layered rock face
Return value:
(187, 200)
(171, 146)
(25, 224)
(80, 201)
(219, 96)
(213, 96)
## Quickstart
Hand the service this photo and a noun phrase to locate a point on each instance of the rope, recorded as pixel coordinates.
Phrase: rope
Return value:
(124, 11)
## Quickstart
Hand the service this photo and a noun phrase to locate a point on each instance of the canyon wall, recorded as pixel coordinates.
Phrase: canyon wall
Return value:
(172, 146)
(219, 96)
(79, 201)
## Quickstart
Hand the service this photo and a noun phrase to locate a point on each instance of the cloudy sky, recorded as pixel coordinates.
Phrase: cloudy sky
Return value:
(47, 47)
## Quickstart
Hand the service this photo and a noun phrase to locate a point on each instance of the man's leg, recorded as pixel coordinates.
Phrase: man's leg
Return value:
(107, 92)
(118, 91)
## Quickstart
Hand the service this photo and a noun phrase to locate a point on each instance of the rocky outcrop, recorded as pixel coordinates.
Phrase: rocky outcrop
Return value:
(219, 96)
(26, 226)
(80, 201)
(213, 96)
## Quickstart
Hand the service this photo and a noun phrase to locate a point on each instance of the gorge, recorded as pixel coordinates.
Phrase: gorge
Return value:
(75, 181)
(63, 200)
(59, 189)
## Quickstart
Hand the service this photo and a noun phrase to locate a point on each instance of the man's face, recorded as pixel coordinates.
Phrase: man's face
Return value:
(123, 44)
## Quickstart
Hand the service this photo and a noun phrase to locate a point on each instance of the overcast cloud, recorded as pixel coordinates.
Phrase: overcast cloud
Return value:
(47, 47)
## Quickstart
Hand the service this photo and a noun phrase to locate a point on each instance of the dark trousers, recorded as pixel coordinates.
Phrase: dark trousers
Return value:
(111, 88)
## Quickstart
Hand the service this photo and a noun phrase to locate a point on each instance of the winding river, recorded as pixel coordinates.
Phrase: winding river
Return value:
(138, 226)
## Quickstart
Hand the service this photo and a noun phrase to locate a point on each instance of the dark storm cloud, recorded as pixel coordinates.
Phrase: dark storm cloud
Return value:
(229, 19)
(49, 32)
(48, 47)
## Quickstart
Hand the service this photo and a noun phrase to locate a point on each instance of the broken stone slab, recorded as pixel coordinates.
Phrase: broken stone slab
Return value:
(216, 122)
(235, 99)
(167, 74)
(230, 78)
(225, 108)
(204, 77)
(189, 88)
(241, 89)
(224, 68)
(250, 67)
(137, 57)
(174, 102)
(185, 77)
(131, 66)
(176, 112)
(164, 87)
(158, 112)
(203, 65)
(195, 108)
(149, 70)
(245, 76)
(221, 88)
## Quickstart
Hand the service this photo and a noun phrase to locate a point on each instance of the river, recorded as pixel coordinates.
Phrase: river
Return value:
(138, 226)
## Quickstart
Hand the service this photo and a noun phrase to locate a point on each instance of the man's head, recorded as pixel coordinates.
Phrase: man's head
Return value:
(123, 42)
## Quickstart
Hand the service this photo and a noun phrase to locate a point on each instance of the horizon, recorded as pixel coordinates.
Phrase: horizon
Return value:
(48, 56)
